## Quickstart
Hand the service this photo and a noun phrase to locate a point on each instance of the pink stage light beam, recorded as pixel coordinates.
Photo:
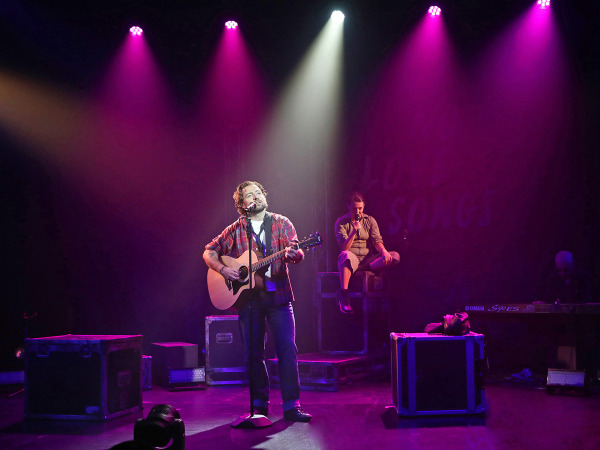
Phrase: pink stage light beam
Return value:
(136, 31)
(232, 95)
(434, 11)
(231, 25)
(543, 4)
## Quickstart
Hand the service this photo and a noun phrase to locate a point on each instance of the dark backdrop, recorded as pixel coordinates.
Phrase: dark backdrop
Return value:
(489, 179)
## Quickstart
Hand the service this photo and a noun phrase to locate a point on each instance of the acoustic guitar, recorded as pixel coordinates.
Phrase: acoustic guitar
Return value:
(224, 293)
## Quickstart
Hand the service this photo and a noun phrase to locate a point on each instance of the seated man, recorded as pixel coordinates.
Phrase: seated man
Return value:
(361, 247)
(569, 342)
(567, 283)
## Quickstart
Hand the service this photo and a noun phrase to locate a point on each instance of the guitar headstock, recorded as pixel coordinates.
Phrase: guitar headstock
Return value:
(312, 241)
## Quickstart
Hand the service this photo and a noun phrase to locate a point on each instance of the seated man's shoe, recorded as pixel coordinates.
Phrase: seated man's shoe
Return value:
(344, 301)
(297, 414)
(261, 411)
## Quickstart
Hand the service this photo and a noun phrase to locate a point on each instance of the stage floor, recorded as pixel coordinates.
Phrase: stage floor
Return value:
(358, 416)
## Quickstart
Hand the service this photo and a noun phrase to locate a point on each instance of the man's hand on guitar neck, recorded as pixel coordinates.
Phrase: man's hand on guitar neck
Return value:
(293, 255)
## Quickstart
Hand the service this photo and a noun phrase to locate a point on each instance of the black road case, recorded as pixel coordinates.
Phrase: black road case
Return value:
(437, 374)
(225, 360)
(83, 377)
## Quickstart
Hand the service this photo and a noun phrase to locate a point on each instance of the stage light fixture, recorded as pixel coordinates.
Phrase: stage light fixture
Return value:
(231, 25)
(337, 16)
(434, 11)
(163, 425)
(136, 31)
(543, 4)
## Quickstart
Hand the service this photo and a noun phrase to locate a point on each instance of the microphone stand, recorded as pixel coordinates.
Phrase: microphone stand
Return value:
(251, 420)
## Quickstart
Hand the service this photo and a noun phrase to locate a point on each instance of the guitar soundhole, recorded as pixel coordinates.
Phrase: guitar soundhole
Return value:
(243, 273)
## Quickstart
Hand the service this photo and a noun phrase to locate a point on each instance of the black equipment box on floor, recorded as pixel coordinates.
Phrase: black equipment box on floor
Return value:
(324, 372)
(167, 356)
(437, 374)
(369, 322)
(83, 377)
(225, 356)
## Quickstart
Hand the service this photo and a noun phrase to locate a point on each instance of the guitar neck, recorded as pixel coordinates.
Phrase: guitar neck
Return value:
(269, 259)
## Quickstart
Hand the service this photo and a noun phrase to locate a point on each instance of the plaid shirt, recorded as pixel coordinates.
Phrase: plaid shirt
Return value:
(233, 241)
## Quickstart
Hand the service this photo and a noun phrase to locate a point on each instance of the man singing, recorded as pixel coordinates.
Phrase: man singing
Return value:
(271, 296)
(361, 247)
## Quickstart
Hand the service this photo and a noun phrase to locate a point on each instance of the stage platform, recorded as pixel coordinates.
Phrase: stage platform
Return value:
(356, 417)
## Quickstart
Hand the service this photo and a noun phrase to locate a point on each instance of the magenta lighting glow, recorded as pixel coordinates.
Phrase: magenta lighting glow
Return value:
(543, 4)
(136, 31)
(231, 25)
(436, 10)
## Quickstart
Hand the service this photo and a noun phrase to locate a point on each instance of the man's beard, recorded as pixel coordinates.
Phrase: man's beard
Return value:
(260, 207)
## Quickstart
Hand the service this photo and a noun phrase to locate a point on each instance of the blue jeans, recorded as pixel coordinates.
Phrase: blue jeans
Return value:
(283, 328)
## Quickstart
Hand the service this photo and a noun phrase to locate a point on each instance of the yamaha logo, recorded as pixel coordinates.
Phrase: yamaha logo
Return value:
(475, 308)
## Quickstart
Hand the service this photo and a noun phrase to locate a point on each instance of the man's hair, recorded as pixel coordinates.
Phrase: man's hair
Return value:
(238, 197)
(564, 260)
(355, 196)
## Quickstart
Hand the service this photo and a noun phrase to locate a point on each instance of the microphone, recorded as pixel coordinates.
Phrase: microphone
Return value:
(251, 207)
(357, 217)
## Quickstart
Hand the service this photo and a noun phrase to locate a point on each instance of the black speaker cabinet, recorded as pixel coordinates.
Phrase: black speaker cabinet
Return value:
(83, 377)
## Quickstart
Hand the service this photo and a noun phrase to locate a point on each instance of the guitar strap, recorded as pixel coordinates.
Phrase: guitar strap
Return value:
(268, 224)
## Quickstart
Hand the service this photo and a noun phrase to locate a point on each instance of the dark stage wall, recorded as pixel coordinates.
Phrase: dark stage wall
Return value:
(483, 154)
